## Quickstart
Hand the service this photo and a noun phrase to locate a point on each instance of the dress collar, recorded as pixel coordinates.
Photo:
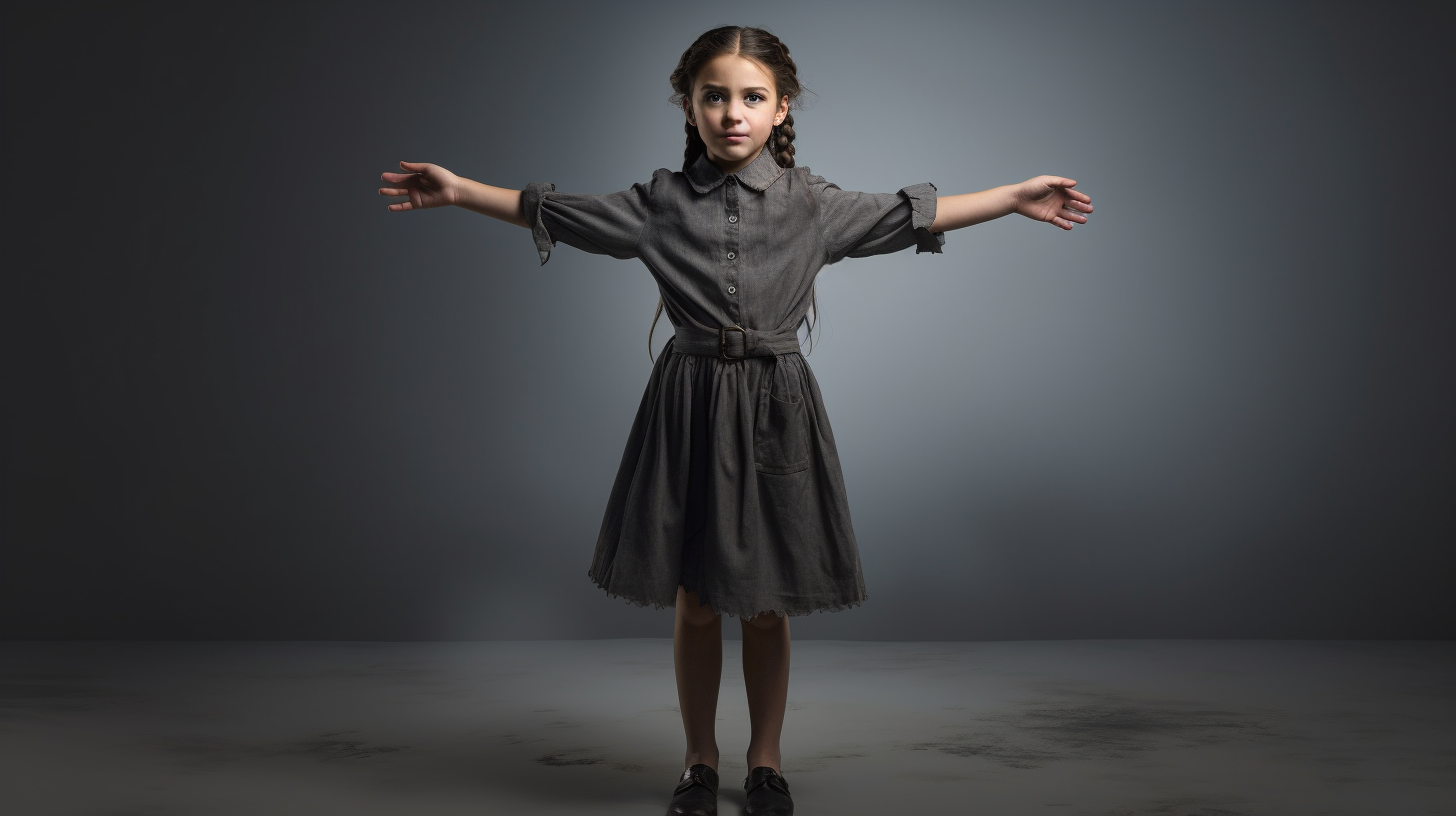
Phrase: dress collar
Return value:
(759, 174)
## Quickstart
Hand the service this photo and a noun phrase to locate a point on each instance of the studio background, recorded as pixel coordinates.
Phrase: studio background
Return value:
(244, 401)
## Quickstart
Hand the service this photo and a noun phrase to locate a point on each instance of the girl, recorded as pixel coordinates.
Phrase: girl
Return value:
(729, 499)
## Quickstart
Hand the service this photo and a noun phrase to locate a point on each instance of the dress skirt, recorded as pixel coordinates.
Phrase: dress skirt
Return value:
(730, 486)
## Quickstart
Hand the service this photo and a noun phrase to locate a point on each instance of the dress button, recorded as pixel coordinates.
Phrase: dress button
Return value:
(732, 289)
(733, 219)
(732, 255)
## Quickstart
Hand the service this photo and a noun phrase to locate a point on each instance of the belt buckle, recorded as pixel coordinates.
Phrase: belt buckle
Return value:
(723, 341)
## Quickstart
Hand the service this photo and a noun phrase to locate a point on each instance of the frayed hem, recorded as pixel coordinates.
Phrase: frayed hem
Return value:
(655, 604)
(785, 611)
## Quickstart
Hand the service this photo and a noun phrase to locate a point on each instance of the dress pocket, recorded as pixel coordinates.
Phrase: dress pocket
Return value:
(781, 430)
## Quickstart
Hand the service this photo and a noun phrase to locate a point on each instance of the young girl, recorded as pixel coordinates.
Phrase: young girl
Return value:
(729, 499)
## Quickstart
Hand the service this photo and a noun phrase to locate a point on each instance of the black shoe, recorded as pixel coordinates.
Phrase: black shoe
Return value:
(696, 794)
(768, 793)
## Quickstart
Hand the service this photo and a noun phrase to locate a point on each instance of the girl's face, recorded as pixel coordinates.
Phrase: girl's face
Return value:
(733, 108)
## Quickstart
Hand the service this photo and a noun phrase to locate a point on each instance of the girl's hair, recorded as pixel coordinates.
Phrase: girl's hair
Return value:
(750, 43)
(769, 51)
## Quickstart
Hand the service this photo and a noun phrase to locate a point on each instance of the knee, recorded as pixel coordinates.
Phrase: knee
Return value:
(697, 615)
(764, 621)
(693, 613)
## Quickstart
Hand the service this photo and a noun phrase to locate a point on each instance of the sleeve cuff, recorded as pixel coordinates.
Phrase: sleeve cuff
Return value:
(922, 200)
(531, 207)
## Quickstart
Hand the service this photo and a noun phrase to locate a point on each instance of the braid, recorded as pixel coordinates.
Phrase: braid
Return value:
(786, 77)
(695, 146)
(782, 142)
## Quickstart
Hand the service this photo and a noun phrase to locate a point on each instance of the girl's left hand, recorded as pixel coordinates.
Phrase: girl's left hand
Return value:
(1052, 199)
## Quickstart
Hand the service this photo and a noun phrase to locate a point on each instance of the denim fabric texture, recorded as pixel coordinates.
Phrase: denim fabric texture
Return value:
(730, 484)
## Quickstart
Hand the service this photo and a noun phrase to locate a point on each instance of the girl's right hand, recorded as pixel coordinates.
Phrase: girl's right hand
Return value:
(426, 185)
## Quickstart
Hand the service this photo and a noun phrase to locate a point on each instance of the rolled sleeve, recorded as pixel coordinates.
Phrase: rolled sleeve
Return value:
(922, 198)
(610, 224)
(531, 207)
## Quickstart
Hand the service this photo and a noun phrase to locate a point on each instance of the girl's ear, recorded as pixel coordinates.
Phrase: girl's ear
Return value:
(783, 111)
(688, 110)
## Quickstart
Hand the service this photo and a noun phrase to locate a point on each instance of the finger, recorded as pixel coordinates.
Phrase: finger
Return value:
(397, 178)
(401, 206)
(393, 191)
(414, 167)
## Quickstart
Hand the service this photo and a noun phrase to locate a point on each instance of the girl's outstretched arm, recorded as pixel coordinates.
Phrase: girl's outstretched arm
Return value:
(430, 185)
(1044, 198)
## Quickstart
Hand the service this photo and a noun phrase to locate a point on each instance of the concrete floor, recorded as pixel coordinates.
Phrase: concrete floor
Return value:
(1175, 728)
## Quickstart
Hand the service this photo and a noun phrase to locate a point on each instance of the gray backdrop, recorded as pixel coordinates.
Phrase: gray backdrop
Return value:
(242, 400)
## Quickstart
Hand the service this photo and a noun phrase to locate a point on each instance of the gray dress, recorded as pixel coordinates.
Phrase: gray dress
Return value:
(730, 484)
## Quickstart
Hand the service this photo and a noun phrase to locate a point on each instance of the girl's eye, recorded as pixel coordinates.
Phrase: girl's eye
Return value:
(754, 98)
(714, 98)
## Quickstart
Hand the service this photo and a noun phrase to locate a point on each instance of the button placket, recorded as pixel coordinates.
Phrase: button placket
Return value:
(733, 234)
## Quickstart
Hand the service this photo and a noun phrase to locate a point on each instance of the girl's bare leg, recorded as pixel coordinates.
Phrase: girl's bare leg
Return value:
(697, 655)
(766, 677)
